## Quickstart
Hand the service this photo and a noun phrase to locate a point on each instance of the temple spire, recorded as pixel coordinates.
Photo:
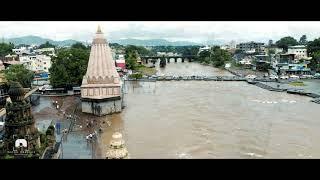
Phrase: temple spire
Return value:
(99, 29)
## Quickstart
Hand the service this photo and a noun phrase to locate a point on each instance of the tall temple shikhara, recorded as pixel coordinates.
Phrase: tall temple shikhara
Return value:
(101, 86)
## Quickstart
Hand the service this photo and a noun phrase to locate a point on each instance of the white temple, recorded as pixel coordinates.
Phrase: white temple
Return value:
(101, 86)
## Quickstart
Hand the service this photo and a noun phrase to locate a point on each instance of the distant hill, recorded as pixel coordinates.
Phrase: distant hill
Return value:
(29, 40)
(153, 42)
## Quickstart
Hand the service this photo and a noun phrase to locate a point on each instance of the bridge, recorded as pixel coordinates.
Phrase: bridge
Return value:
(166, 59)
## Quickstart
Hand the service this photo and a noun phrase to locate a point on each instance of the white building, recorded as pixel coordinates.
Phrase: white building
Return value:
(233, 44)
(50, 51)
(206, 48)
(300, 52)
(21, 51)
(36, 62)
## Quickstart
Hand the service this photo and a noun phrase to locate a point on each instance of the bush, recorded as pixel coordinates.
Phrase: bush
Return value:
(135, 76)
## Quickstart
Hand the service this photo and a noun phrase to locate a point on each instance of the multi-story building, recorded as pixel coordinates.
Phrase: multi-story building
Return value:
(287, 64)
(300, 52)
(48, 51)
(251, 47)
(36, 62)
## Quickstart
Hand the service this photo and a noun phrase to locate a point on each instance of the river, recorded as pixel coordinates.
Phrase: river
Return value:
(208, 119)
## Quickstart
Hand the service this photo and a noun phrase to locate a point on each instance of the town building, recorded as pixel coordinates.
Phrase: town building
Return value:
(47, 51)
(21, 51)
(300, 52)
(287, 64)
(101, 85)
(251, 47)
(206, 48)
(262, 62)
(121, 62)
(275, 49)
(36, 62)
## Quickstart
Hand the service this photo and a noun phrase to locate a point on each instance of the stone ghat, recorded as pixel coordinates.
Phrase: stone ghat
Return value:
(290, 91)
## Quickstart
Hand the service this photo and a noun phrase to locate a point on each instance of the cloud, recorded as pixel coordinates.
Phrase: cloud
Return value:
(200, 31)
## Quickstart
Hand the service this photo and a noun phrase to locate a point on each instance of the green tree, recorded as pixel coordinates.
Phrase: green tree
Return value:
(313, 46)
(203, 55)
(131, 57)
(286, 41)
(315, 61)
(79, 45)
(139, 49)
(216, 56)
(20, 74)
(47, 45)
(69, 67)
(271, 51)
(219, 57)
(303, 40)
(5, 49)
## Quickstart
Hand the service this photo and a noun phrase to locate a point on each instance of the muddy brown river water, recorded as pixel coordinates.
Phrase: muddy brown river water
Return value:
(207, 119)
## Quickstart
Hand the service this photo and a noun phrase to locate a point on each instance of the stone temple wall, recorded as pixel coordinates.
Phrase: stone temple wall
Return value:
(102, 108)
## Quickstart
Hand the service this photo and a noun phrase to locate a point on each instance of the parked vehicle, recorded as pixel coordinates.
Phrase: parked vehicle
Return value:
(306, 76)
(284, 77)
(250, 76)
(294, 77)
(272, 76)
(317, 76)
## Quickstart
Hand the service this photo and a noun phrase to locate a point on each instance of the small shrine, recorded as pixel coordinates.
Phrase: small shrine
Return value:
(21, 138)
(117, 149)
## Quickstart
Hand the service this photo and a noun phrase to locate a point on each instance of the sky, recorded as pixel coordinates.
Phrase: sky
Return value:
(194, 31)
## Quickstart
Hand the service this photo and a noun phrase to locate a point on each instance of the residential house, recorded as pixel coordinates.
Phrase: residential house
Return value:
(300, 52)
(36, 62)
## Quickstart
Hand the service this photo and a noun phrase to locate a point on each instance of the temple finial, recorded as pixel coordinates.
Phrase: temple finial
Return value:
(99, 29)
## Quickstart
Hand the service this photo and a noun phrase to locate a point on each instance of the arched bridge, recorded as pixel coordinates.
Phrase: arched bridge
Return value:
(166, 59)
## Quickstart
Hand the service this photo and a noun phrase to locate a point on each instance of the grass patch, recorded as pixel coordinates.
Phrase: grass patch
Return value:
(298, 83)
(146, 70)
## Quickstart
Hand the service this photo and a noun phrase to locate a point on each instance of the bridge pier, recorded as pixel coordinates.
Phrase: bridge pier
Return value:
(175, 60)
(182, 60)
(168, 60)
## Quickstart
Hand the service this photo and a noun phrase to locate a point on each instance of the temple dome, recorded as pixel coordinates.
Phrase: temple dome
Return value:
(16, 91)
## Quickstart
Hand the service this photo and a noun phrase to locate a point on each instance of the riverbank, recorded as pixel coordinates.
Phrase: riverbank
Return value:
(238, 71)
(147, 71)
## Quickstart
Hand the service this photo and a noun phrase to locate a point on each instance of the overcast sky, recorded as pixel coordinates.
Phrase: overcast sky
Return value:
(200, 31)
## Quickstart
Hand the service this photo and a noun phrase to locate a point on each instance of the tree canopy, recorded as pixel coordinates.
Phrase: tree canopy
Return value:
(303, 40)
(131, 56)
(313, 46)
(5, 49)
(79, 45)
(142, 51)
(286, 41)
(315, 61)
(46, 45)
(20, 74)
(69, 67)
(216, 56)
